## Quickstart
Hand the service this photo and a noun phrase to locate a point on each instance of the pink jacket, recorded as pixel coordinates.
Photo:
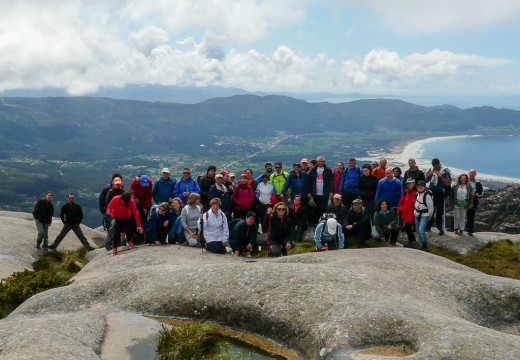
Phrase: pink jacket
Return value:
(337, 180)
(119, 211)
(243, 197)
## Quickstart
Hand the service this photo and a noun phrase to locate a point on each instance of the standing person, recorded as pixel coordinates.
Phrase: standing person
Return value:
(190, 215)
(185, 186)
(296, 183)
(163, 188)
(42, 213)
(142, 186)
(123, 210)
(71, 215)
(298, 216)
(338, 174)
(358, 223)
(478, 190)
(440, 186)
(413, 172)
(374, 165)
(305, 165)
(268, 170)
(349, 188)
(103, 197)
(264, 194)
(385, 221)
(321, 185)
(243, 235)
(407, 209)
(367, 189)
(462, 194)
(243, 198)
(230, 182)
(205, 182)
(280, 230)
(279, 178)
(397, 173)
(380, 171)
(219, 191)
(117, 189)
(423, 212)
(215, 228)
(389, 189)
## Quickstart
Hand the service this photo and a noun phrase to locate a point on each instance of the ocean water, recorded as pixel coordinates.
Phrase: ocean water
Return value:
(492, 155)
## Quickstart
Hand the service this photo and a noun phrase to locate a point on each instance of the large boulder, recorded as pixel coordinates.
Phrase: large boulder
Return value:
(18, 239)
(330, 305)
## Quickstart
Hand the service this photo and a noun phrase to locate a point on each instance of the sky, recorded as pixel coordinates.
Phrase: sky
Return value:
(401, 47)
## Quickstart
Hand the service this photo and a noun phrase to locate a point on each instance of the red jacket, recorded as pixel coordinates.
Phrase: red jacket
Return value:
(142, 193)
(337, 180)
(120, 211)
(407, 206)
(243, 197)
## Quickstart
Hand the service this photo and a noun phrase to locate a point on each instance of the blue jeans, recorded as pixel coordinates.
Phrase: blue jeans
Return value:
(420, 225)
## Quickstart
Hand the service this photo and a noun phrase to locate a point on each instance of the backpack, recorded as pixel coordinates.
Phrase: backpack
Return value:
(426, 193)
(323, 220)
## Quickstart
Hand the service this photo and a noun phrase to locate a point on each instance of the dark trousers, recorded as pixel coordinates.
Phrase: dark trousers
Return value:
(438, 214)
(278, 249)
(361, 234)
(321, 206)
(77, 230)
(216, 247)
(122, 226)
(470, 217)
(392, 235)
(409, 232)
(331, 245)
(348, 198)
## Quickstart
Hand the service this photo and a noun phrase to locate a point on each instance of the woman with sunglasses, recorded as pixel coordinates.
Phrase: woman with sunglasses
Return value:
(280, 230)
(159, 224)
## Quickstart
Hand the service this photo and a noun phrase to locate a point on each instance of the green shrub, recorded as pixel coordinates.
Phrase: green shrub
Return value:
(193, 341)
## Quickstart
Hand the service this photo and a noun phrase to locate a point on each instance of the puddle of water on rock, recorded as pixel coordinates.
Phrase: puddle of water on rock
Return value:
(242, 344)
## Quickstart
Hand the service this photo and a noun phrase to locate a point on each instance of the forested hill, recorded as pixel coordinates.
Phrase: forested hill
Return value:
(71, 128)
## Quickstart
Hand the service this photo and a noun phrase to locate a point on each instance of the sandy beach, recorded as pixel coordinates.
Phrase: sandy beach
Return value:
(412, 150)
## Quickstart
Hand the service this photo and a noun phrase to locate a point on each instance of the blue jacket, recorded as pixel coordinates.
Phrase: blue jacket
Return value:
(163, 190)
(390, 191)
(182, 185)
(299, 184)
(350, 180)
(154, 226)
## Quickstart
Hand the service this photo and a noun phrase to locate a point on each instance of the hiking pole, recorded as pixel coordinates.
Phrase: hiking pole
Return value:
(269, 237)
(201, 232)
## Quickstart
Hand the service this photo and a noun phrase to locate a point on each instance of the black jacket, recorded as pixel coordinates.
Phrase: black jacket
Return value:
(71, 214)
(328, 181)
(368, 187)
(43, 211)
(281, 232)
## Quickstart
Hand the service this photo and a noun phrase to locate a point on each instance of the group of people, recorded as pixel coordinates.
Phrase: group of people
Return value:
(225, 215)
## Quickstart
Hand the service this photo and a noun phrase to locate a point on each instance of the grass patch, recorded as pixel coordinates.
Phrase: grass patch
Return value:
(52, 269)
(500, 258)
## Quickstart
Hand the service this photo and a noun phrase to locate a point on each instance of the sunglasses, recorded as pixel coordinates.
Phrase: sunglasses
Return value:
(71, 198)
(186, 173)
(280, 209)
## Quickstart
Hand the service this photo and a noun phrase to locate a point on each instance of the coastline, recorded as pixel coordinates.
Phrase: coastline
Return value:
(410, 150)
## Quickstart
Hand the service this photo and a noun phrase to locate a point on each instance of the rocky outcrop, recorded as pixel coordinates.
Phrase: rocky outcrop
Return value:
(18, 239)
(329, 305)
(499, 211)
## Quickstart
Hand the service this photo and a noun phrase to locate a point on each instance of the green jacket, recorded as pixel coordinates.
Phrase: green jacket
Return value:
(278, 180)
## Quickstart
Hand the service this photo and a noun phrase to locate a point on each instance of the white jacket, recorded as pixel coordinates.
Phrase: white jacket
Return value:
(215, 226)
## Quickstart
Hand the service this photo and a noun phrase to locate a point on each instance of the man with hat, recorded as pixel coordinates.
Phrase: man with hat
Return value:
(329, 236)
(305, 165)
(339, 210)
(163, 188)
(358, 223)
(142, 186)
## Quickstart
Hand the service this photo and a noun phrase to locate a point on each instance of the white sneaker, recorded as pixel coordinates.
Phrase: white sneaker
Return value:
(229, 250)
(247, 254)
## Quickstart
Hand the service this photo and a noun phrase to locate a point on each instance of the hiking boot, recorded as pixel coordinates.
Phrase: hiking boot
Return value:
(130, 244)
(424, 247)
(52, 247)
(91, 248)
(441, 232)
(470, 233)
(114, 251)
(247, 254)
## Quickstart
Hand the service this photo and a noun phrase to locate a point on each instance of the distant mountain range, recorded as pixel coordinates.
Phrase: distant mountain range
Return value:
(70, 127)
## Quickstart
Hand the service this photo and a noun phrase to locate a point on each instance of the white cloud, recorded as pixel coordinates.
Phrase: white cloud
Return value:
(148, 38)
(441, 16)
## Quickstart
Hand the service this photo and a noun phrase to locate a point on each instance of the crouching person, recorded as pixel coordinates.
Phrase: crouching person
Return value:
(214, 227)
(385, 221)
(243, 235)
(159, 225)
(329, 235)
(280, 230)
(123, 210)
(358, 222)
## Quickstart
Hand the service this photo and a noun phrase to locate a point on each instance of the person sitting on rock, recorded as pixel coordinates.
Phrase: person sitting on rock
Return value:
(358, 223)
(280, 230)
(159, 224)
(122, 208)
(385, 221)
(243, 235)
(214, 227)
(329, 235)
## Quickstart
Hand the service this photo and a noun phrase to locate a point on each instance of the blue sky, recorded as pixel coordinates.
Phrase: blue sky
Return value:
(401, 47)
